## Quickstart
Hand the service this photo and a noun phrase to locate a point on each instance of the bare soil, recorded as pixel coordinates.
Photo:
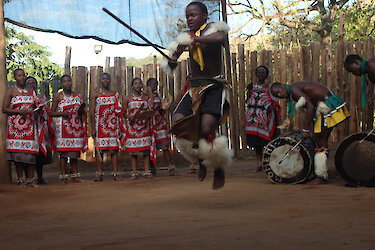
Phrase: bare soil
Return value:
(183, 213)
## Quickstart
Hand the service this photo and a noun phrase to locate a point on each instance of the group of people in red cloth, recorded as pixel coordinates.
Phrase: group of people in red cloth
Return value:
(32, 135)
(138, 124)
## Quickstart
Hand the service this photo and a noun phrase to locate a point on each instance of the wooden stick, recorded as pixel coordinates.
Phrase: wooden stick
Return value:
(135, 32)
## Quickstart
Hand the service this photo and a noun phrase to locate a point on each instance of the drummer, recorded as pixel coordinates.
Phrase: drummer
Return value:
(324, 110)
(360, 67)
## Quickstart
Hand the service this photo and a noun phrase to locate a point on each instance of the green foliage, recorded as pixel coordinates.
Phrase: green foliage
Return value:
(359, 23)
(23, 52)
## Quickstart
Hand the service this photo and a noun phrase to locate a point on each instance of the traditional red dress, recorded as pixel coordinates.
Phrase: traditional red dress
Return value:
(161, 122)
(138, 134)
(71, 132)
(22, 136)
(108, 121)
(262, 115)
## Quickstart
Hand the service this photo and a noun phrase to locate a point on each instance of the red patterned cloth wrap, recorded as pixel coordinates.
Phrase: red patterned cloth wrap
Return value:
(140, 135)
(22, 135)
(44, 123)
(71, 132)
(263, 112)
(161, 122)
(108, 121)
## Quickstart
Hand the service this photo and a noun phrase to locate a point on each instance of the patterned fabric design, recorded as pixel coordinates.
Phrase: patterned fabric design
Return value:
(138, 134)
(71, 132)
(44, 123)
(22, 133)
(108, 121)
(262, 112)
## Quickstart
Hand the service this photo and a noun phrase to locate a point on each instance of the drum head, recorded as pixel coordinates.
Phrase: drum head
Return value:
(354, 160)
(297, 167)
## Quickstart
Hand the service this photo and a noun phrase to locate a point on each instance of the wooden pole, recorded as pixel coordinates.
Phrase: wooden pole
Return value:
(5, 173)
(241, 93)
(107, 64)
(315, 61)
(228, 70)
(370, 92)
(234, 107)
(68, 55)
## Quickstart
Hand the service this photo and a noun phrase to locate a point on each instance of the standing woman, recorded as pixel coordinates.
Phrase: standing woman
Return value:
(43, 121)
(139, 134)
(22, 138)
(262, 114)
(71, 137)
(106, 120)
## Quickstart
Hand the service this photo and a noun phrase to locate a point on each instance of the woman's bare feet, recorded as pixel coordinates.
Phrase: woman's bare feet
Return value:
(99, 176)
(76, 178)
(64, 178)
(116, 176)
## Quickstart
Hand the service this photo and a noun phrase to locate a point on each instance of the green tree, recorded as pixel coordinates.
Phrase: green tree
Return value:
(23, 52)
(304, 16)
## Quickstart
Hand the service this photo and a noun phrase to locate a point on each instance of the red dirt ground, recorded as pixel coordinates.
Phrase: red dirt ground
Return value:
(183, 213)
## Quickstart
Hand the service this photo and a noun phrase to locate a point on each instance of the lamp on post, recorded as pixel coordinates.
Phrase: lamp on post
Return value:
(98, 48)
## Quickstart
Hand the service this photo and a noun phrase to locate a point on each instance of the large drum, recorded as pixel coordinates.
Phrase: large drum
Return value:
(297, 167)
(354, 159)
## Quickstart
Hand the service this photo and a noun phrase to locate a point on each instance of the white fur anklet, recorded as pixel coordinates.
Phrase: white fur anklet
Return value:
(187, 150)
(320, 163)
(301, 103)
(215, 154)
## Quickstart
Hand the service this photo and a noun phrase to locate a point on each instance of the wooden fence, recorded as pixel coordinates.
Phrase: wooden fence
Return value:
(313, 62)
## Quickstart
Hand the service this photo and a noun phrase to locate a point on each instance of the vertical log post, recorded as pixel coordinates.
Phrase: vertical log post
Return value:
(68, 55)
(5, 171)
(235, 130)
(107, 64)
(370, 89)
(129, 78)
(241, 94)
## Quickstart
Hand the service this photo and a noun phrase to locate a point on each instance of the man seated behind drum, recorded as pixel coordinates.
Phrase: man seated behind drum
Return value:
(360, 67)
(323, 108)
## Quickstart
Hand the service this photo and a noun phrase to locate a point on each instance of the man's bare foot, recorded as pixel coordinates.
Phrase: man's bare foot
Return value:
(317, 181)
(202, 171)
(219, 178)
(64, 181)
(258, 169)
(116, 178)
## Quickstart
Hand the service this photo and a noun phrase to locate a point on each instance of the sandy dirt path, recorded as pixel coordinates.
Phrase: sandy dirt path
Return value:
(184, 213)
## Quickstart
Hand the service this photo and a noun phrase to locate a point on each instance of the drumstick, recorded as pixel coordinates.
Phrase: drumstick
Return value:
(369, 133)
(41, 105)
(290, 151)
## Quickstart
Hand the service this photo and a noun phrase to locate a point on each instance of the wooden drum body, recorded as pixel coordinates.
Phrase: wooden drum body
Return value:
(354, 160)
(298, 167)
